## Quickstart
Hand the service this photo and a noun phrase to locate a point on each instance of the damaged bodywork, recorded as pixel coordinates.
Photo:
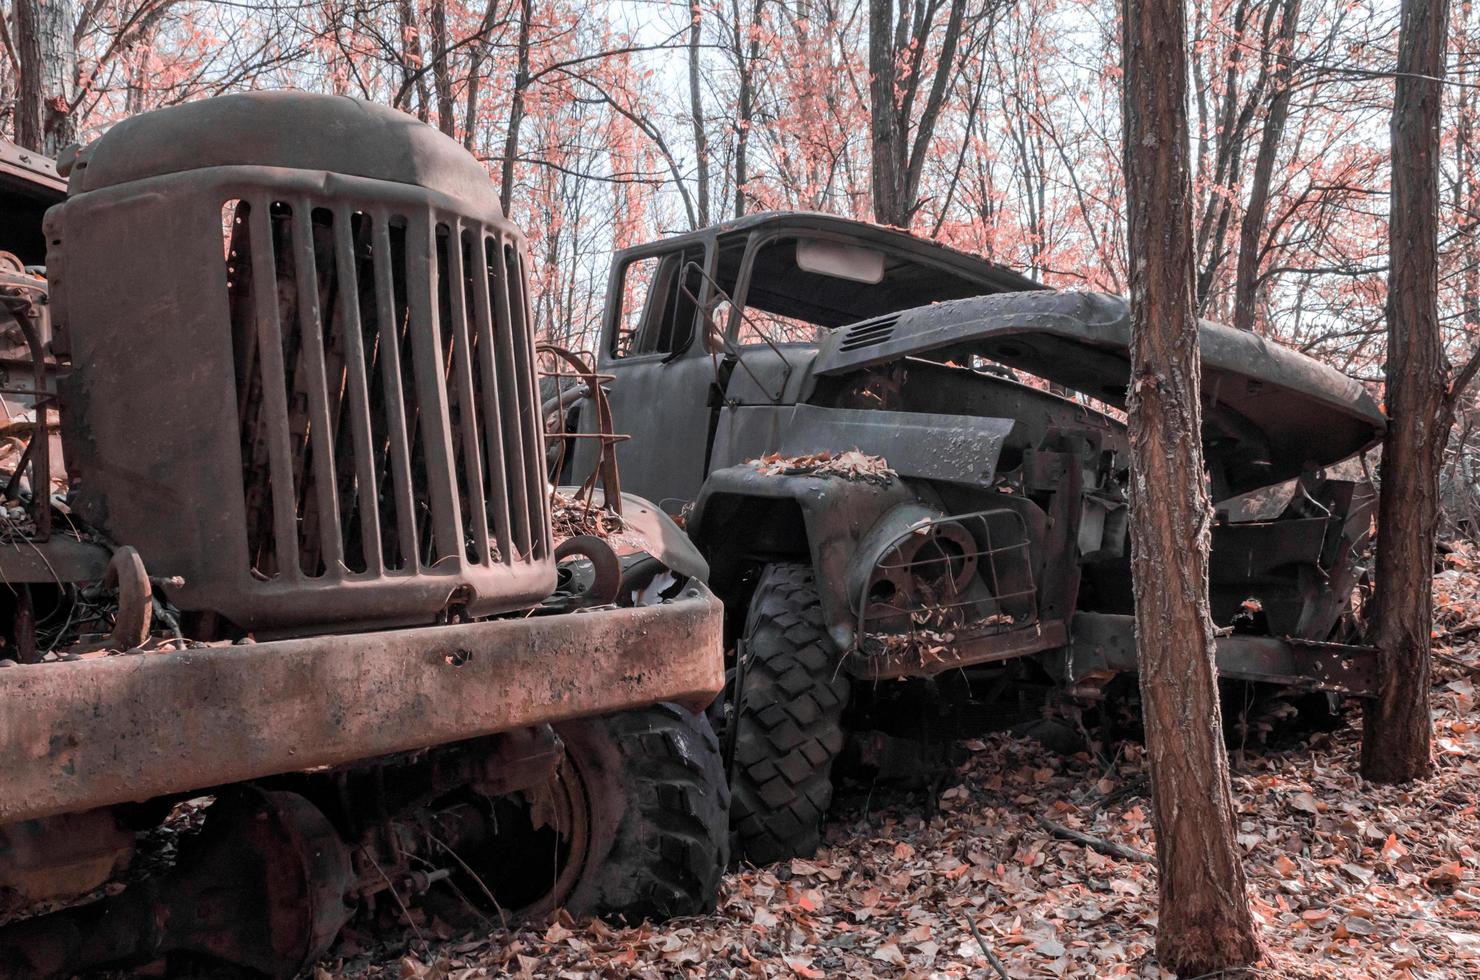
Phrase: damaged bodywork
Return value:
(992, 543)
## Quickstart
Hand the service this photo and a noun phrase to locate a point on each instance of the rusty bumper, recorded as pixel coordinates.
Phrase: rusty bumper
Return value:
(91, 733)
(1102, 645)
(963, 651)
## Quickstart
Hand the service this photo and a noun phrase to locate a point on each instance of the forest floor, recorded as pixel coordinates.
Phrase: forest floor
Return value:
(1347, 879)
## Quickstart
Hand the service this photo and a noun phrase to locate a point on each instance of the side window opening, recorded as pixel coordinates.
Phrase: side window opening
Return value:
(658, 303)
(757, 326)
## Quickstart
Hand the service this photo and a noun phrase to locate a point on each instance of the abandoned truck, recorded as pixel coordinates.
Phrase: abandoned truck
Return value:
(280, 644)
(906, 463)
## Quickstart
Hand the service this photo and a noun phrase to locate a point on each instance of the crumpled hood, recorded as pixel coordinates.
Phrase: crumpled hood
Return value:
(1268, 411)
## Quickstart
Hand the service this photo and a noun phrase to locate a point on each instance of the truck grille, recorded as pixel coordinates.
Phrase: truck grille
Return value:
(380, 410)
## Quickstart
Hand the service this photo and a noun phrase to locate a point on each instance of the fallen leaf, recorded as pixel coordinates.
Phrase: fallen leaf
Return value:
(802, 967)
(1305, 803)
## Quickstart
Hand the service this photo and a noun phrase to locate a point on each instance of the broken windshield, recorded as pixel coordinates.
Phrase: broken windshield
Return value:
(786, 301)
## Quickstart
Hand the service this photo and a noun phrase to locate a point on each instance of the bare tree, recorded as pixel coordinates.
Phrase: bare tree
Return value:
(516, 107)
(477, 56)
(1420, 399)
(696, 113)
(413, 65)
(1204, 924)
(897, 44)
(746, 48)
(442, 69)
(1251, 227)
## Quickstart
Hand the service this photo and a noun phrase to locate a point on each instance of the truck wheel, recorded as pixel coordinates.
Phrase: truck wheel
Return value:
(789, 728)
(656, 790)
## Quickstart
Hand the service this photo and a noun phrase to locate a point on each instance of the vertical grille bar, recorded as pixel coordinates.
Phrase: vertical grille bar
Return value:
(508, 372)
(274, 389)
(320, 434)
(467, 415)
(529, 402)
(357, 393)
(399, 455)
(488, 342)
(431, 393)
(538, 471)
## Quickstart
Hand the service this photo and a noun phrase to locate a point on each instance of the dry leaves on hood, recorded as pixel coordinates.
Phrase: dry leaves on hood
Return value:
(849, 465)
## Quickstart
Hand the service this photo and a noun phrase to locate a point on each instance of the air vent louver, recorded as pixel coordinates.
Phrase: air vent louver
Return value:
(869, 333)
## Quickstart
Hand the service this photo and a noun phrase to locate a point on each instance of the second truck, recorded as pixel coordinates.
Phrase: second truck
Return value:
(907, 468)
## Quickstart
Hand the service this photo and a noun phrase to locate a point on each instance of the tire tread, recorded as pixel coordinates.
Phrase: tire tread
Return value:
(790, 724)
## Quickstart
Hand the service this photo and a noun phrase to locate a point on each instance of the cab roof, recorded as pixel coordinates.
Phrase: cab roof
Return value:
(917, 271)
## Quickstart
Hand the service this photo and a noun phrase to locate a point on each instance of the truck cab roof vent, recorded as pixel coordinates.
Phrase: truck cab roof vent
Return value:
(869, 333)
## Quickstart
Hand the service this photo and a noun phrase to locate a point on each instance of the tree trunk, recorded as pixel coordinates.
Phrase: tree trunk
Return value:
(746, 53)
(1251, 228)
(945, 68)
(442, 70)
(516, 109)
(137, 64)
(475, 76)
(1204, 923)
(887, 137)
(696, 110)
(412, 61)
(1396, 726)
(48, 75)
(897, 63)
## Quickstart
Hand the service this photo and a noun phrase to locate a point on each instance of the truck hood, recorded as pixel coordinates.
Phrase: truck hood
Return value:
(1268, 411)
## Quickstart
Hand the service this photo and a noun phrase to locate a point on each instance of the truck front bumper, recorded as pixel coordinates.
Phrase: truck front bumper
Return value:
(89, 733)
(1102, 645)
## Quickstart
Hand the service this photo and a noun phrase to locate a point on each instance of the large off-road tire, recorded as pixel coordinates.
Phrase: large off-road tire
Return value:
(789, 727)
(655, 787)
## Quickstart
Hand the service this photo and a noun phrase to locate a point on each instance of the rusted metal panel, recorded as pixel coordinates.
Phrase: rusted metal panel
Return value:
(963, 651)
(29, 184)
(83, 734)
(1103, 643)
(60, 857)
(930, 446)
(61, 559)
(27, 171)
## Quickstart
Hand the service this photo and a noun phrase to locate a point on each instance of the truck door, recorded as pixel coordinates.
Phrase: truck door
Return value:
(661, 371)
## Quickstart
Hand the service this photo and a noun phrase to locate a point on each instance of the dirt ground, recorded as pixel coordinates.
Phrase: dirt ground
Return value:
(1347, 879)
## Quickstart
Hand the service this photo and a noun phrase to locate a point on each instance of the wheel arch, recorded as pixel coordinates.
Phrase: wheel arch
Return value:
(743, 514)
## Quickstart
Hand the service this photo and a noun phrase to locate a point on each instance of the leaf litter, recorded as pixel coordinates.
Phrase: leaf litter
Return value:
(848, 465)
(572, 516)
(1347, 879)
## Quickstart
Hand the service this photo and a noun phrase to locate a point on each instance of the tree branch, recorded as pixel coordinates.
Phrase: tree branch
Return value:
(1106, 847)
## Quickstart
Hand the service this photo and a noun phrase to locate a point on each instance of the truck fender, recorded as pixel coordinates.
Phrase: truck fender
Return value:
(647, 529)
(835, 515)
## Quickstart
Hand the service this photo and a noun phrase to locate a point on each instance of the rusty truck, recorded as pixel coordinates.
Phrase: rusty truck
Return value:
(281, 640)
(907, 468)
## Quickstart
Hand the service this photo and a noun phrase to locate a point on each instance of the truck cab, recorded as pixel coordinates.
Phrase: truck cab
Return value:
(905, 463)
(701, 325)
